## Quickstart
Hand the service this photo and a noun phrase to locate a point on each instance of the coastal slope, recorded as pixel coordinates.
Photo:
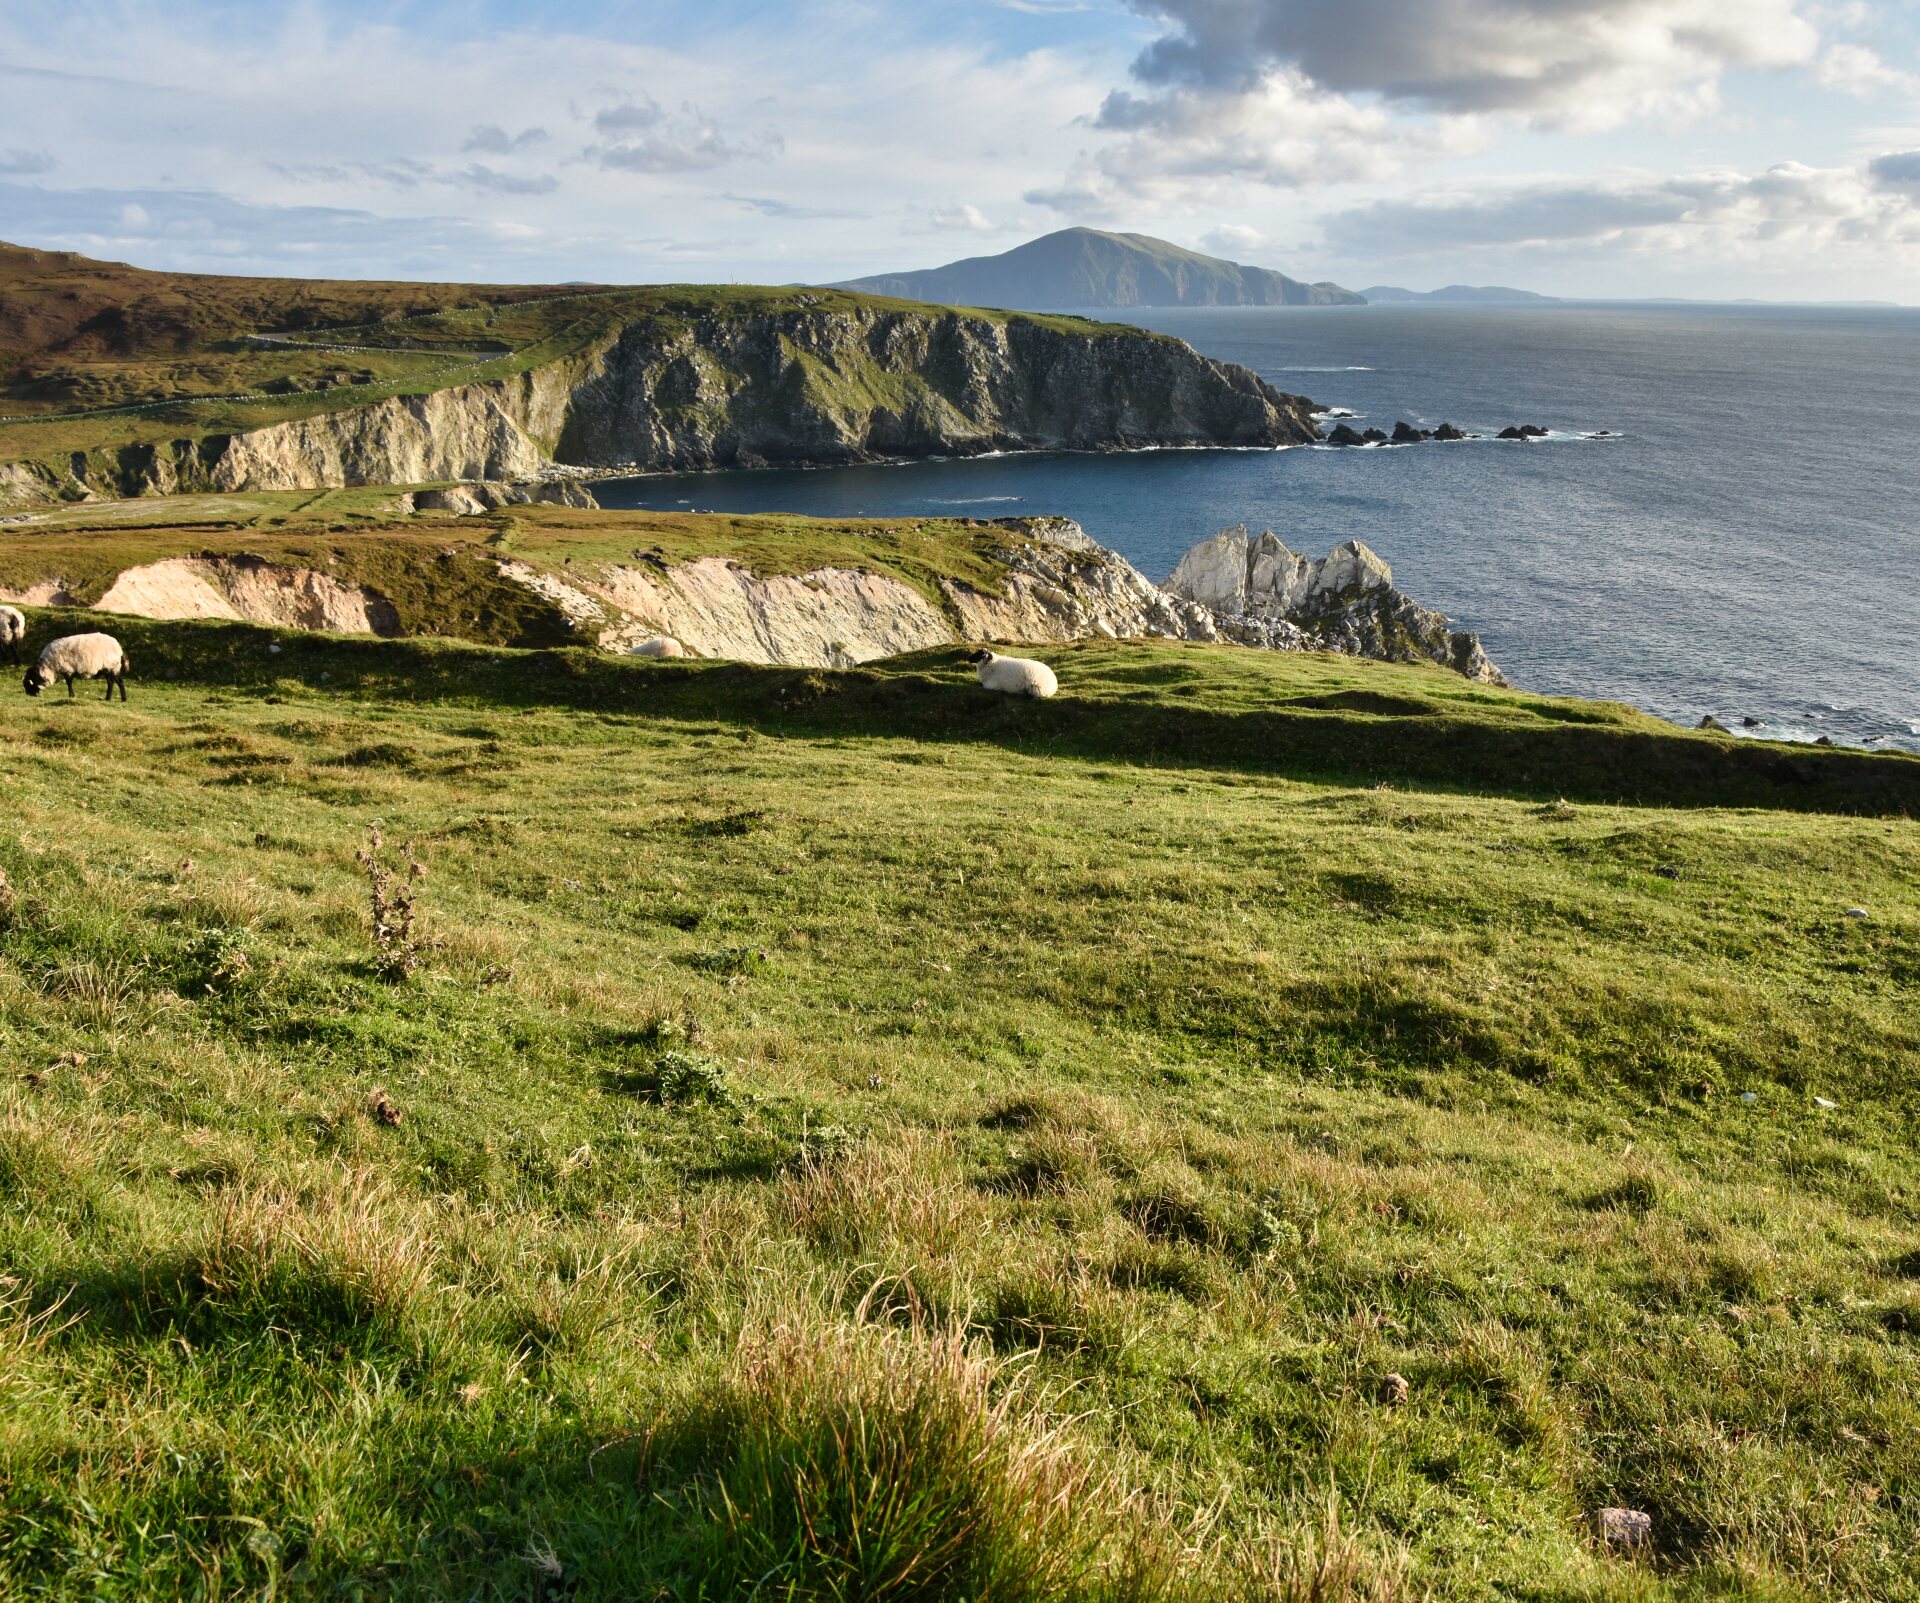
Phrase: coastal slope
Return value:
(457, 562)
(1087, 267)
(472, 387)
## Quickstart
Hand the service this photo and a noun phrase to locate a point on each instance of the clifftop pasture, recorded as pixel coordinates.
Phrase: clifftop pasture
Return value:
(848, 1136)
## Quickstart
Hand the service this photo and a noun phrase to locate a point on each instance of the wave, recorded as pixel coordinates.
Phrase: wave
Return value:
(1324, 369)
(975, 500)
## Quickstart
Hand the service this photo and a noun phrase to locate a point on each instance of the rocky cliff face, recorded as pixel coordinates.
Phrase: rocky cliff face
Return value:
(839, 386)
(1253, 586)
(806, 387)
(1056, 585)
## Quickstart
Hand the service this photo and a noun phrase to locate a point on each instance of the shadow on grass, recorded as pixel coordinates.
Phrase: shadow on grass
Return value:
(1479, 743)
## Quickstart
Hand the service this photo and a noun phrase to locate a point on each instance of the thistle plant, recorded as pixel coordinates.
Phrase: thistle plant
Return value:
(399, 947)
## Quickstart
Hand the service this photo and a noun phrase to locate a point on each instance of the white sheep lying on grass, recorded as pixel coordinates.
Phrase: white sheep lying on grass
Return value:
(659, 646)
(1014, 676)
(13, 629)
(74, 657)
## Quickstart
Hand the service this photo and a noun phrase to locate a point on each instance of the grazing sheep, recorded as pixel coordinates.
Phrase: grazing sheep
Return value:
(74, 657)
(659, 646)
(1014, 676)
(13, 629)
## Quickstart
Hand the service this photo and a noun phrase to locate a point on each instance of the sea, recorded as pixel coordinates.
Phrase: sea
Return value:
(1724, 520)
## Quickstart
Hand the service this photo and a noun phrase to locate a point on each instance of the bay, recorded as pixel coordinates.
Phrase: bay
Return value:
(1746, 545)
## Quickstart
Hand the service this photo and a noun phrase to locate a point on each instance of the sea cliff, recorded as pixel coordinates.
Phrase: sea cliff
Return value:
(845, 381)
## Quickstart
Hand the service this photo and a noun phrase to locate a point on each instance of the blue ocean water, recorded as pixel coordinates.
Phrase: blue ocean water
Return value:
(1749, 545)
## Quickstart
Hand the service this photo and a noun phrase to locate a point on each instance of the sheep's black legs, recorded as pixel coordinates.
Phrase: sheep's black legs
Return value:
(121, 680)
(69, 687)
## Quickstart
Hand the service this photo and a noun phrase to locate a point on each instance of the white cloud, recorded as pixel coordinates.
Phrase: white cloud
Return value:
(490, 139)
(25, 163)
(960, 219)
(1234, 240)
(647, 138)
(405, 173)
(1778, 217)
(1186, 145)
(1858, 70)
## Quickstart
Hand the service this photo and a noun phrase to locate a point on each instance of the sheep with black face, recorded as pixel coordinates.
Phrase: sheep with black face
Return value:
(74, 657)
(13, 629)
(1013, 676)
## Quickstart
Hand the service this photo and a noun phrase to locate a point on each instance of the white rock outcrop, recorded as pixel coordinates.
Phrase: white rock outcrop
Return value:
(1257, 576)
(250, 589)
(1262, 594)
(469, 432)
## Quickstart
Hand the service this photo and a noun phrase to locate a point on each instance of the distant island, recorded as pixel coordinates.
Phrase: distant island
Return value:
(1085, 267)
(1455, 294)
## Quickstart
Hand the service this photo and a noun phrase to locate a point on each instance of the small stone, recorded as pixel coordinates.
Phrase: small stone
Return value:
(1667, 871)
(1856, 912)
(1712, 725)
(1749, 1097)
(1394, 1390)
(384, 1108)
(1822, 1102)
(1623, 1529)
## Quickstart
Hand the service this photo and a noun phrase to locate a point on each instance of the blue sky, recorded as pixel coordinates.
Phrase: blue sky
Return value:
(1606, 147)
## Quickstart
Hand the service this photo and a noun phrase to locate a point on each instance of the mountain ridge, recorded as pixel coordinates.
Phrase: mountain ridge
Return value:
(1089, 267)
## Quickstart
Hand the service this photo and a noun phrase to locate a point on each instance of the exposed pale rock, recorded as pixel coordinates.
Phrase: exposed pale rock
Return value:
(832, 617)
(251, 589)
(41, 593)
(1254, 586)
(463, 433)
(463, 500)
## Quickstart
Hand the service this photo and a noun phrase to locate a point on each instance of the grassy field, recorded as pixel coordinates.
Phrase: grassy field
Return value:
(838, 1135)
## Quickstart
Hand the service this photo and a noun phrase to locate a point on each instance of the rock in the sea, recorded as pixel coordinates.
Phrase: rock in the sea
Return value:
(1447, 431)
(1342, 434)
(1523, 431)
(1253, 586)
(1373, 437)
(1713, 725)
(1406, 434)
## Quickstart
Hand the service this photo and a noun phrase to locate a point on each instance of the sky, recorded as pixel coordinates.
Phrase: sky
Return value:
(1711, 148)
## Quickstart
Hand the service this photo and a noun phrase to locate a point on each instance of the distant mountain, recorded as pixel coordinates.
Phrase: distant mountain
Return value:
(1457, 294)
(1083, 267)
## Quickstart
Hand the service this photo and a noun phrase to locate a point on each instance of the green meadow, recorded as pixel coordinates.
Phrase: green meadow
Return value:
(816, 1135)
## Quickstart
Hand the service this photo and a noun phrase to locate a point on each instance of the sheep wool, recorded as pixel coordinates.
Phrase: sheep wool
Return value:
(1014, 676)
(13, 630)
(74, 657)
(659, 646)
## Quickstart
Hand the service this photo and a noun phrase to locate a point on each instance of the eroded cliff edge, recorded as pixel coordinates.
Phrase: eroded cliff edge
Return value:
(815, 386)
(1031, 580)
